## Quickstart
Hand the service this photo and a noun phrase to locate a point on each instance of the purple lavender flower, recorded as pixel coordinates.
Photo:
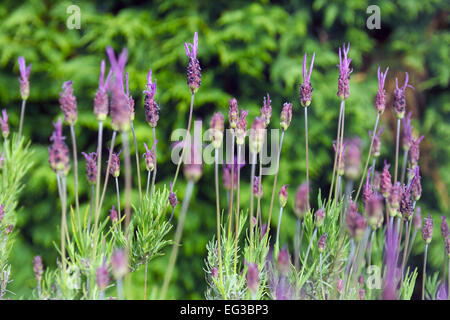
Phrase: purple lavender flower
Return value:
(442, 291)
(283, 261)
(102, 277)
(194, 75)
(319, 217)
(416, 186)
(68, 103)
(257, 188)
(91, 166)
(352, 161)
(58, 151)
(385, 181)
(380, 97)
(130, 101)
(172, 197)
(113, 214)
(444, 228)
(393, 273)
(217, 126)
(406, 203)
(266, 111)
(252, 277)
(241, 128)
(306, 88)
(399, 98)
(447, 245)
(427, 230)
(407, 132)
(233, 113)
(101, 96)
(286, 116)
(149, 156)
(283, 195)
(417, 220)
(340, 156)
(120, 104)
(414, 152)
(367, 189)
(38, 268)
(374, 211)
(283, 290)
(150, 105)
(340, 285)
(256, 136)
(226, 178)
(376, 142)
(344, 73)
(9, 229)
(114, 167)
(322, 243)
(24, 78)
(193, 167)
(214, 272)
(356, 223)
(301, 200)
(4, 124)
(119, 264)
(394, 199)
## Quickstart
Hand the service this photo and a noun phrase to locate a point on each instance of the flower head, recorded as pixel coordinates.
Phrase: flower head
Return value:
(385, 181)
(58, 151)
(320, 217)
(427, 230)
(376, 146)
(130, 101)
(241, 128)
(38, 268)
(120, 103)
(380, 97)
(416, 186)
(150, 105)
(257, 188)
(399, 97)
(24, 78)
(283, 261)
(101, 96)
(217, 126)
(306, 88)
(406, 203)
(374, 211)
(256, 136)
(286, 116)
(114, 167)
(322, 243)
(344, 73)
(172, 197)
(102, 277)
(91, 166)
(414, 152)
(149, 156)
(68, 103)
(356, 223)
(283, 195)
(4, 124)
(233, 113)
(266, 111)
(2, 212)
(194, 75)
(119, 264)
(395, 197)
(352, 161)
(252, 277)
(444, 228)
(113, 215)
(301, 200)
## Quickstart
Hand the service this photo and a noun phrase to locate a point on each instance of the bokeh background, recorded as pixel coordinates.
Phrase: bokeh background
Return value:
(246, 50)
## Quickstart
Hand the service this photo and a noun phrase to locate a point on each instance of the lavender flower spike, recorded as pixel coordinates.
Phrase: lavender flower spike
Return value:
(194, 75)
(102, 277)
(344, 73)
(150, 105)
(101, 96)
(407, 132)
(306, 88)
(58, 151)
(286, 116)
(68, 103)
(91, 166)
(380, 97)
(38, 268)
(376, 142)
(414, 152)
(427, 230)
(24, 78)
(4, 124)
(149, 156)
(114, 167)
(241, 128)
(172, 197)
(266, 111)
(252, 277)
(399, 97)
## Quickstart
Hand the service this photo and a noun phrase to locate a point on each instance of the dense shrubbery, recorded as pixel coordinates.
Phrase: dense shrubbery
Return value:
(246, 51)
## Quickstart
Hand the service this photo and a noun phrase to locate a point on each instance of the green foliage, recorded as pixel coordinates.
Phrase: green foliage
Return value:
(407, 287)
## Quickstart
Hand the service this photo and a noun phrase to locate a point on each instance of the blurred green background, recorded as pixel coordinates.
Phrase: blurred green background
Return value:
(246, 50)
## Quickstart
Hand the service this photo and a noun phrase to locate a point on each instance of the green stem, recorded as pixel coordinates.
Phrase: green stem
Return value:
(118, 197)
(341, 111)
(22, 115)
(111, 149)
(424, 271)
(275, 181)
(137, 163)
(237, 209)
(219, 247)
(278, 228)
(252, 178)
(75, 168)
(307, 160)
(156, 164)
(230, 207)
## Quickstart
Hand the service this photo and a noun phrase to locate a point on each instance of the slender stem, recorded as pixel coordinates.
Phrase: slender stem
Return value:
(349, 276)
(298, 230)
(156, 163)
(22, 115)
(119, 284)
(405, 249)
(237, 209)
(413, 238)
(396, 150)
(91, 208)
(97, 186)
(230, 207)
(126, 149)
(137, 163)
(278, 228)
(340, 147)
(275, 181)
(370, 248)
(405, 159)
(149, 173)
(368, 156)
(62, 179)
(145, 281)
(219, 246)
(258, 208)
(252, 178)
(111, 149)
(75, 168)
(307, 160)
(118, 196)
(176, 244)
(184, 147)
(424, 271)
(341, 111)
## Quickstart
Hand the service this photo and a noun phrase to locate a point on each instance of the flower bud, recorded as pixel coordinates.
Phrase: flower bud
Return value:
(150, 158)
(241, 128)
(252, 277)
(322, 243)
(24, 78)
(385, 181)
(119, 264)
(305, 92)
(4, 124)
(217, 128)
(266, 111)
(284, 261)
(101, 96)
(320, 217)
(340, 285)
(374, 211)
(380, 97)
(233, 113)
(344, 73)
(414, 152)
(102, 277)
(257, 188)
(257, 134)
(399, 98)
(193, 71)
(38, 268)
(444, 228)
(286, 116)
(427, 230)
(283, 196)
(352, 160)
(68, 103)
(301, 200)
(91, 167)
(172, 197)
(394, 199)
(114, 167)
(113, 215)
(406, 204)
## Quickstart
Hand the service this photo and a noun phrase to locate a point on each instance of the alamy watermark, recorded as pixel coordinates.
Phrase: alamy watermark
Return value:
(374, 20)
(74, 19)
